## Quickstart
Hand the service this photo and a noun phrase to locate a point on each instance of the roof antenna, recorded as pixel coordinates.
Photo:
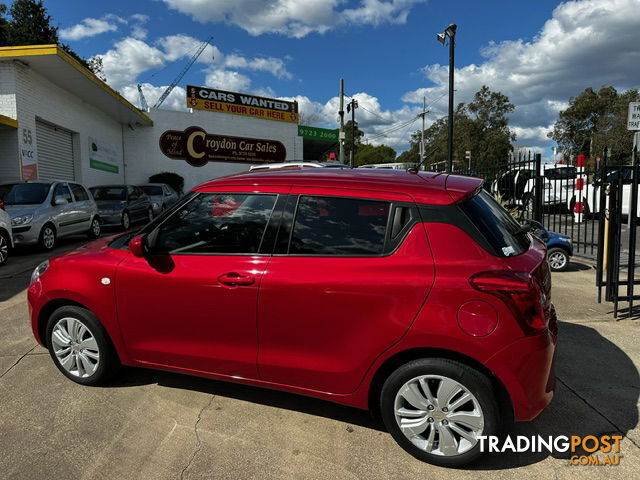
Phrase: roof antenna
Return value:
(416, 168)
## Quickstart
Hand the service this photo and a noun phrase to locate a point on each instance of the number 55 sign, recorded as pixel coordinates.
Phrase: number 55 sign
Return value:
(28, 157)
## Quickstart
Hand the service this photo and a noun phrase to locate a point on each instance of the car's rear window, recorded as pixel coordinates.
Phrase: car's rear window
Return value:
(152, 189)
(109, 193)
(499, 228)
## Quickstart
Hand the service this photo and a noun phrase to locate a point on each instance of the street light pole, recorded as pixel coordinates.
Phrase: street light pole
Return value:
(450, 32)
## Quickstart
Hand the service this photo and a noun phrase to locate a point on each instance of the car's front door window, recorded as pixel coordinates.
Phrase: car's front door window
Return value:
(216, 223)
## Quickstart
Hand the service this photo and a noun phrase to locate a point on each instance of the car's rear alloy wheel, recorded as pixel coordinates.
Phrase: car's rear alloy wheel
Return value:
(437, 409)
(558, 259)
(75, 347)
(94, 231)
(80, 346)
(439, 415)
(4, 249)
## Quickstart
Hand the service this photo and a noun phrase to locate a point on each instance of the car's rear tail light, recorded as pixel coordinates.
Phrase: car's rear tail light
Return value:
(520, 292)
(1, 205)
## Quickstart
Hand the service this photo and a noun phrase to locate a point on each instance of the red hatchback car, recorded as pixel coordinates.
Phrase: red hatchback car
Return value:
(414, 295)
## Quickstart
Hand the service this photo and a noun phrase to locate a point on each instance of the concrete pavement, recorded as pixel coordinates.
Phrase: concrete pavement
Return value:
(158, 425)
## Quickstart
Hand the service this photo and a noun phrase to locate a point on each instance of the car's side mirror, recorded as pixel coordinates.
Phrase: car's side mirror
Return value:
(137, 246)
(60, 200)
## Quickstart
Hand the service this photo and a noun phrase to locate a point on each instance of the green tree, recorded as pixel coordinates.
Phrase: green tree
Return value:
(31, 24)
(5, 27)
(482, 127)
(368, 154)
(594, 120)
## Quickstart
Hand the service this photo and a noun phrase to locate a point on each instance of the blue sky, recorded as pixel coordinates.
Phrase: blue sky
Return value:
(538, 53)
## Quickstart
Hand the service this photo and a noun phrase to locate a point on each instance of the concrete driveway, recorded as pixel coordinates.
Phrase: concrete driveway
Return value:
(157, 425)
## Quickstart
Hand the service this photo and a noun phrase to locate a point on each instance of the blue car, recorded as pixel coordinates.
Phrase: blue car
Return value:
(559, 247)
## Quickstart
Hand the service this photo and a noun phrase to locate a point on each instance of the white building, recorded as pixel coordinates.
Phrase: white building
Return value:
(59, 121)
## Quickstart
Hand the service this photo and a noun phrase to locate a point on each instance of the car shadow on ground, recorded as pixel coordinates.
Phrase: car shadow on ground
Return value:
(597, 394)
(576, 267)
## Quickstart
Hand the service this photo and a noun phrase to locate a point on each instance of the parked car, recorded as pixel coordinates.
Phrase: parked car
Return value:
(6, 238)
(517, 187)
(122, 205)
(297, 165)
(162, 196)
(559, 247)
(43, 211)
(592, 202)
(332, 275)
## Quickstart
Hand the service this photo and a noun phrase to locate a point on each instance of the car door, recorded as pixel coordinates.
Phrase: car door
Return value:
(134, 203)
(64, 216)
(192, 304)
(83, 208)
(349, 274)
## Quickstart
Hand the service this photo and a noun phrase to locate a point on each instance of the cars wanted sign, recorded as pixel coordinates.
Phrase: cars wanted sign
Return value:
(210, 99)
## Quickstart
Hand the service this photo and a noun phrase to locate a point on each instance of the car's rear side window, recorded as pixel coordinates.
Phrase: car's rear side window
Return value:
(79, 192)
(339, 226)
(496, 224)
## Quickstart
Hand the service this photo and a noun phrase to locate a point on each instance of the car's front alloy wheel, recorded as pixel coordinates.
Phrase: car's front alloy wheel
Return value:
(79, 346)
(75, 347)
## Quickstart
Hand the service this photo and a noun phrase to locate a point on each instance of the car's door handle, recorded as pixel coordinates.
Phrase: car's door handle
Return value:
(233, 279)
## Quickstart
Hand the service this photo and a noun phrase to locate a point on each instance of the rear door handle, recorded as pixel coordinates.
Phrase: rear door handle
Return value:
(233, 279)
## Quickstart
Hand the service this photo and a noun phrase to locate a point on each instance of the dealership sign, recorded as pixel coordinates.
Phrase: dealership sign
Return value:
(212, 100)
(198, 148)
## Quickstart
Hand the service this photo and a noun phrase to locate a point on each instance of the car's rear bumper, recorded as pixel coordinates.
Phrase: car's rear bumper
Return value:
(111, 219)
(526, 368)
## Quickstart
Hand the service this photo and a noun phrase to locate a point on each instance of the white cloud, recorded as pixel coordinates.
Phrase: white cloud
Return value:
(585, 43)
(228, 80)
(181, 46)
(294, 18)
(275, 66)
(90, 27)
(128, 59)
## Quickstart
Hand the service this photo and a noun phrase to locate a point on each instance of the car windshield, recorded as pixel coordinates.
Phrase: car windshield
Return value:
(24, 193)
(109, 193)
(152, 189)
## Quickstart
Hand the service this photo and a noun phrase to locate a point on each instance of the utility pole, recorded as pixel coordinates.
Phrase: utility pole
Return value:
(450, 32)
(424, 112)
(353, 104)
(341, 113)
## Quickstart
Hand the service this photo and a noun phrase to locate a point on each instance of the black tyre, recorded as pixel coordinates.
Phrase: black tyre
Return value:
(5, 243)
(558, 259)
(436, 408)
(48, 237)
(80, 346)
(94, 229)
(125, 221)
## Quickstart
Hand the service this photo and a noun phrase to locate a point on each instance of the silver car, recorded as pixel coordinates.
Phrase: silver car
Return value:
(162, 196)
(43, 211)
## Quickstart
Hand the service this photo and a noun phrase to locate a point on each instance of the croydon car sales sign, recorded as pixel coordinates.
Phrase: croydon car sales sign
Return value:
(198, 148)
(212, 100)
